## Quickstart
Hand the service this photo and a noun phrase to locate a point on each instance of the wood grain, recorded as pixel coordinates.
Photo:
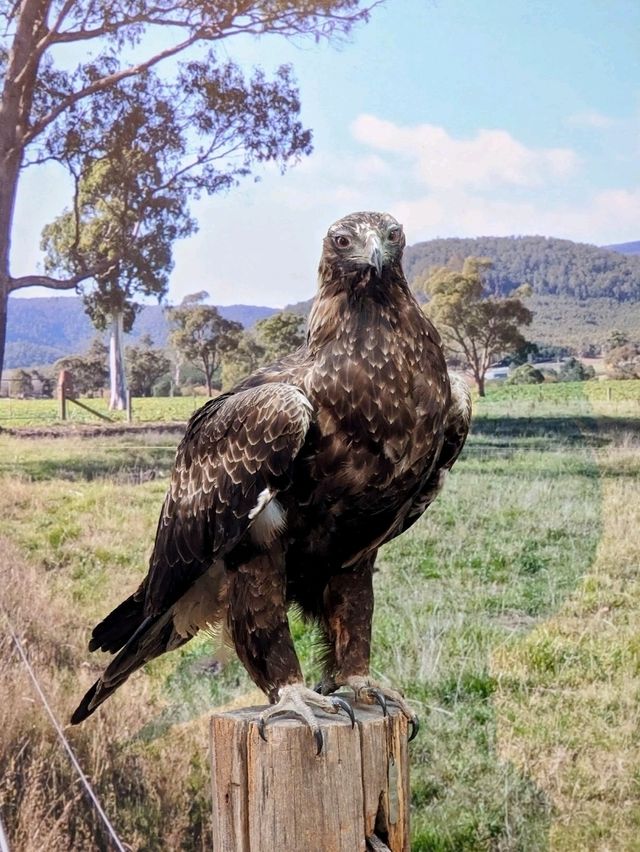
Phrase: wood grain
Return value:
(279, 796)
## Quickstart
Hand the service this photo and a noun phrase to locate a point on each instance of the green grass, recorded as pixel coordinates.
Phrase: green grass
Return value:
(562, 398)
(504, 545)
(21, 413)
(484, 616)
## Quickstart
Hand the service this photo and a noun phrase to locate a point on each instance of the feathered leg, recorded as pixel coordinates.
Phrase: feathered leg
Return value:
(258, 625)
(347, 617)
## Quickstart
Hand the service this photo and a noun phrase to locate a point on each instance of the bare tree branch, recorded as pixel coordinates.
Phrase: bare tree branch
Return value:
(102, 84)
(59, 283)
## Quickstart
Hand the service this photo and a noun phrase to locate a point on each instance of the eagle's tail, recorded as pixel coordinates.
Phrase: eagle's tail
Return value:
(153, 636)
(118, 627)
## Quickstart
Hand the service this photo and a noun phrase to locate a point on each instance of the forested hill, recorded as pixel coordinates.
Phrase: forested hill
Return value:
(41, 330)
(552, 266)
(625, 248)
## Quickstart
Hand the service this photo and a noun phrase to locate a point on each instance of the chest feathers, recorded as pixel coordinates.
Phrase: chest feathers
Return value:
(379, 386)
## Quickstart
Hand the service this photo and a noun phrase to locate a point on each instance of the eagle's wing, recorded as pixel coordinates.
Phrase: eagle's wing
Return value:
(456, 429)
(237, 453)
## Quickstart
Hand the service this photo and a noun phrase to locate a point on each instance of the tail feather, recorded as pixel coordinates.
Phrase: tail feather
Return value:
(138, 638)
(152, 638)
(119, 626)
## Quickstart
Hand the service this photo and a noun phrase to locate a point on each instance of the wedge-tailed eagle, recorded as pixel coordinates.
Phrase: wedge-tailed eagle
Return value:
(284, 488)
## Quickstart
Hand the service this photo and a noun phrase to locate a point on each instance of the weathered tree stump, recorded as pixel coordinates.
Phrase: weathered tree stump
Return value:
(279, 796)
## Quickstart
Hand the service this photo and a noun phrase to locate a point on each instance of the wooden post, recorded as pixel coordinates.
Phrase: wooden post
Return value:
(65, 391)
(279, 796)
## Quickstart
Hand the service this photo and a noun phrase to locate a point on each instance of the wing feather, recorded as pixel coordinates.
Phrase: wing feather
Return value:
(455, 434)
(235, 447)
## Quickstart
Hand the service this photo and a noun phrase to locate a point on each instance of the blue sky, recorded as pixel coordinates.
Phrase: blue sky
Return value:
(461, 118)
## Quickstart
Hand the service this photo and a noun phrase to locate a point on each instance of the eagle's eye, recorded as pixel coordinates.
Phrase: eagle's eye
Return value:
(341, 241)
(394, 235)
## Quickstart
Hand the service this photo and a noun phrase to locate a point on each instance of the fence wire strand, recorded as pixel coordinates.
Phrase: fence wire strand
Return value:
(62, 738)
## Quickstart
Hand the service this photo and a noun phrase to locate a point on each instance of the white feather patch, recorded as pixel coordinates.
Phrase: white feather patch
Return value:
(264, 498)
(200, 608)
(268, 524)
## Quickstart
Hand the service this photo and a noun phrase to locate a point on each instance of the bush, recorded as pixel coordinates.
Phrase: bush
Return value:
(575, 371)
(525, 375)
(623, 362)
(163, 386)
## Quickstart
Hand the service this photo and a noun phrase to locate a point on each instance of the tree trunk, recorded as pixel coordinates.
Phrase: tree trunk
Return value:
(176, 375)
(15, 109)
(117, 375)
(9, 171)
(480, 383)
(208, 375)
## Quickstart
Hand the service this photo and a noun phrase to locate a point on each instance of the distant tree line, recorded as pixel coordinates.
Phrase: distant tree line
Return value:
(206, 352)
(551, 266)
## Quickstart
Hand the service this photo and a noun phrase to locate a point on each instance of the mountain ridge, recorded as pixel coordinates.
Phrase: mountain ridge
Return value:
(44, 328)
(578, 288)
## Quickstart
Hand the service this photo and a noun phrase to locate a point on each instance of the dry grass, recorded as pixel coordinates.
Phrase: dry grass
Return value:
(568, 699)
(42, 802)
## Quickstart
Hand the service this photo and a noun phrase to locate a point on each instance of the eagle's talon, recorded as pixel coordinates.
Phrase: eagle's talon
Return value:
(300, 701)
(380, 699)
(261, 729)
(344, 705)
(415, 727)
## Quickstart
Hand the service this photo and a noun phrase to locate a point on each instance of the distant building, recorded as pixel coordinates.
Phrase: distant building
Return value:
(497, 372)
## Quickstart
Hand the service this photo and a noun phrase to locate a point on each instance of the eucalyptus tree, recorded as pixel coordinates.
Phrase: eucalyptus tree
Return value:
(475, 326)
(227, 122)
(280, 334)
(201, 336)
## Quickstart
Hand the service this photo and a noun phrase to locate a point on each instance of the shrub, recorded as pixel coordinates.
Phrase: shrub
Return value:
(623, 362)
(526, 374)
(574, 370)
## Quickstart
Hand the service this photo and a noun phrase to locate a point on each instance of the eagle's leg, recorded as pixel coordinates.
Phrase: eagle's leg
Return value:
(258, 624)
(348, 612)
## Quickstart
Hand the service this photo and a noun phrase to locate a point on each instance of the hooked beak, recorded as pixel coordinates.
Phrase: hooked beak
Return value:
(374, 252)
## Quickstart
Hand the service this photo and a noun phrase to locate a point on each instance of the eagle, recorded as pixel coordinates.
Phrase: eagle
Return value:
(284, 489)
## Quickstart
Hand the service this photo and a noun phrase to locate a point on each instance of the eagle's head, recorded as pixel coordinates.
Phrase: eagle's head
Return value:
(363, 243)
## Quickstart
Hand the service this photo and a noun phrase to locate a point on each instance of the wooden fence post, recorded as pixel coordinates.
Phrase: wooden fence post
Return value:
(279, 796)
(65, 391)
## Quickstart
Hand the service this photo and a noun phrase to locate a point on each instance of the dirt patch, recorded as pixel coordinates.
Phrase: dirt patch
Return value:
(82, 430)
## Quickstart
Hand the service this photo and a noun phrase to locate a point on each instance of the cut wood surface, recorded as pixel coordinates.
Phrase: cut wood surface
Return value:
(279, 796)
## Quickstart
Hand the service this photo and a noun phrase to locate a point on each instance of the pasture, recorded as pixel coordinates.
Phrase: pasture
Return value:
(508, 615)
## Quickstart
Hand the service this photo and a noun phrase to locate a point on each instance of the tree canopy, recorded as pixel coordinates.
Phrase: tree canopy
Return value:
(201, 336)
(218, 122)
(280, 334)
(145, 365)
(475, 327)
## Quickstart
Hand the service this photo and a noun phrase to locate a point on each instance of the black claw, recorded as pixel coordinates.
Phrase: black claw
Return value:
(415, 727)
(344, 705)
(261, 729)
(317, 735)
(381, 700)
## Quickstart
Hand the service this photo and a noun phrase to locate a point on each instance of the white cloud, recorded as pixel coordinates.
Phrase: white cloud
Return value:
(606, 217)
(590, 118)
(261, 244)
(489, 158)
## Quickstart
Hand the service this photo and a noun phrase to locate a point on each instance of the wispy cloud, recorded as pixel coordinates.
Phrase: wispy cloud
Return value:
(487, 159)
(590, 118)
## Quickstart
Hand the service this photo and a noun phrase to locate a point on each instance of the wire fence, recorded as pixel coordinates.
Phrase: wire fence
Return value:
(64, 742)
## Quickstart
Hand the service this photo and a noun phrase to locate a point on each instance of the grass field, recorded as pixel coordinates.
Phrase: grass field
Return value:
(508, 615)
